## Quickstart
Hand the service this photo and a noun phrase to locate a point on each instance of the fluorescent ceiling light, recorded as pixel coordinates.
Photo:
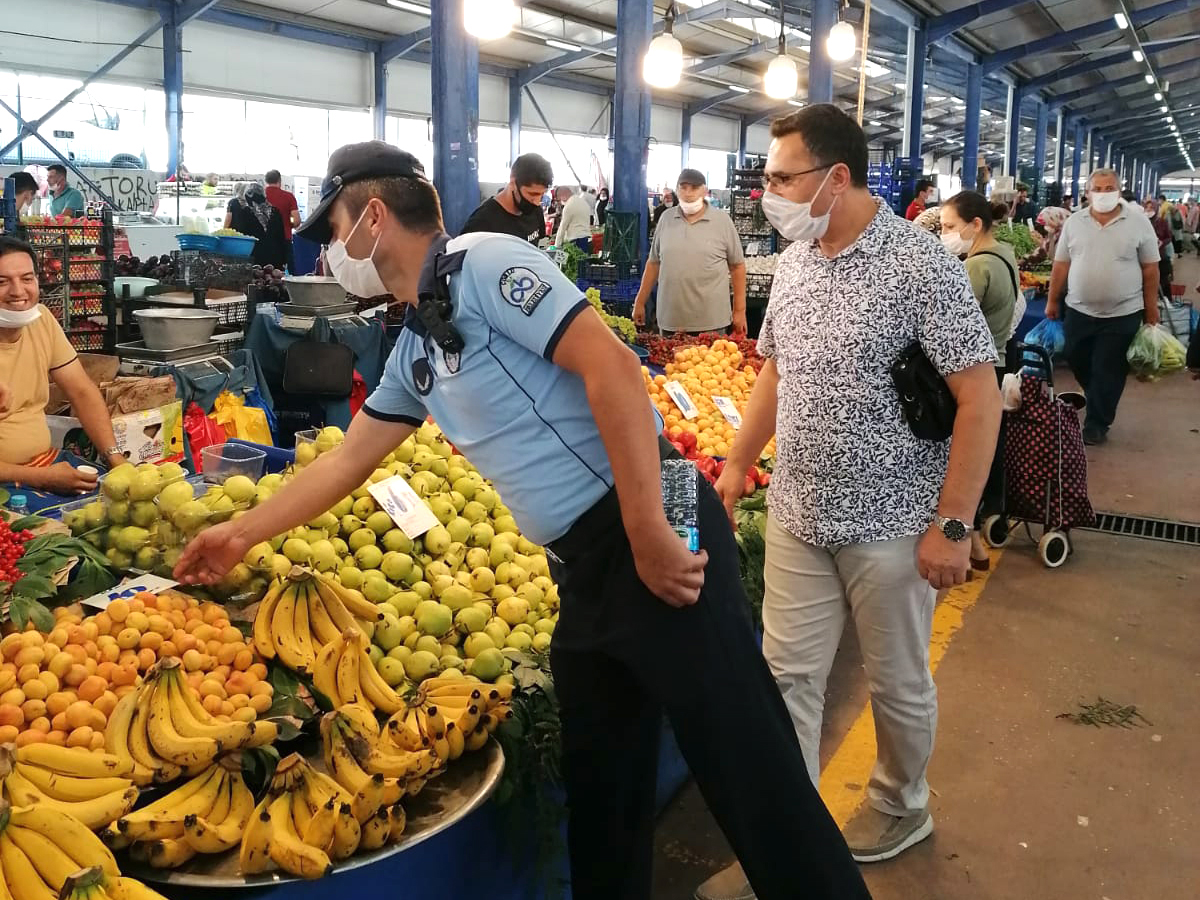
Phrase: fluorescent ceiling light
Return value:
(875, 122)
(1026, 128)
(739, 88)
(488, 20)
(1166, 86)
(1164, 109)
(1139, 56)
(1149, 78)
(1158, 95)
(841, 42)
(663, 63)
(1121, 21)
(562, 45)
(782, 78)
(874, 70)
(985, 113)
(409, 7)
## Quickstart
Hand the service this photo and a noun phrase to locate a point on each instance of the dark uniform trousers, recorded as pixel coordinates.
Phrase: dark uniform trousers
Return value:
(621, 657)
(1095, 349)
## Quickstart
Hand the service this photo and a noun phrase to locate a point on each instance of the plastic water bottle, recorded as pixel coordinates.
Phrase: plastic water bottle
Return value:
(681, 500)
(18, 505)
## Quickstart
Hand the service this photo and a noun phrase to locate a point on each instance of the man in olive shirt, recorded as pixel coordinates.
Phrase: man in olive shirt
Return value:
(64, 199)
(517, 208)
(695, 256)
(1107, 265)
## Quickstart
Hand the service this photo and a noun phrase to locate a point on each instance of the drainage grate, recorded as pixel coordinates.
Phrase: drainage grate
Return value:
(1151, 529)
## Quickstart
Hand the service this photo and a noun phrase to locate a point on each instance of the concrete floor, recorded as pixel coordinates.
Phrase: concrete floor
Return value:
(1028, 806)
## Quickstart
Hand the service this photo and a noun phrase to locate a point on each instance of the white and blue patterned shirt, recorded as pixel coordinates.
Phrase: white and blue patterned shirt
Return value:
(848, 468)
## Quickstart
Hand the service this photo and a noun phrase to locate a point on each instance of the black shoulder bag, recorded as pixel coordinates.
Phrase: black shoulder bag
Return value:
(928, 406)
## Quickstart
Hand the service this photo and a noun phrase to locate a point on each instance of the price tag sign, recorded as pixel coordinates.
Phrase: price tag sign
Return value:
(728, 410)
(752, 248)
(682, 399)
(401, 502)
(152, 584)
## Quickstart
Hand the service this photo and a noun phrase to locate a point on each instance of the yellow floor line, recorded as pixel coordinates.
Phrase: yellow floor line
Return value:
(844, 778)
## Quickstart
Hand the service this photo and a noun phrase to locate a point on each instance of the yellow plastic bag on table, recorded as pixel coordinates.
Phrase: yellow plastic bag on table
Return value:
(247, 423)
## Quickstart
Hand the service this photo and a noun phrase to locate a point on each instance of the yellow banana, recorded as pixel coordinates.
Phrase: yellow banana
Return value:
(369, 798)
(283, 629)
(169, 853)
(432, 721)
(324, 630)
(252, 857)
(319, 832)
(452, 687)
(303, 629)
(70, 788)
(499, 693)
(22, 878)
(264, 617)
(378, 693)
(301, 813)
(501, 712)
(122, 888)
(375, 831)
(477, 738)
(404, 731)
(397, 820)
(165, 817)
(285, 847)
(361, 720)
(325, 670)
(456, 742)
(348, 687)
(94, 813)
(73, 839)
(406, 764)
(358, 605)
(139, 740)
(414, 786)
(322, 788)
(265, 732)
(186, 713)
(345, 768)
(165, 737)
(213, 835)
(72, 760)
(341, 617)
(48, 858)
(346, 833)
(116, 739)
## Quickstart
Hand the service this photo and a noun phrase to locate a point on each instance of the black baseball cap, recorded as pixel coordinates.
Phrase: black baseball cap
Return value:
(693, 177)
(357, 162)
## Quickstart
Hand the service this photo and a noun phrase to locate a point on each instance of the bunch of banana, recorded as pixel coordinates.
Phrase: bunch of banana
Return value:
(452, 715)
(42, 847)
(162, 732)
(303, 612)
(97, 884)
(345, 674)
(71, 780)
(375, 772)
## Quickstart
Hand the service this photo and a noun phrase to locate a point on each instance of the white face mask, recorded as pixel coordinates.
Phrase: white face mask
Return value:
(1105, 201)
(692, 207)
(10, 318)
(358, 276)
(795, 221)
(956, 243)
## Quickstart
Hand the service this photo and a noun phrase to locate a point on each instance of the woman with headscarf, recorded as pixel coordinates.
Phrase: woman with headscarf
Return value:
(255, 217)
(239, 193)
(601, 206)
(1051, 219)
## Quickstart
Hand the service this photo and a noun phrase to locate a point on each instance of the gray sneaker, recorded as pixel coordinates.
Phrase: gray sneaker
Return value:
(728, 884)
(874, 836)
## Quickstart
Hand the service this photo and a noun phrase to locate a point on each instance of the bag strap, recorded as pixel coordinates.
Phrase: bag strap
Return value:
(1007, 265)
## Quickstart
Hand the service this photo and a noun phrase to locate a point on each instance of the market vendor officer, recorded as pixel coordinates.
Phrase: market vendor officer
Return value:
(33, 352)
(531, 386)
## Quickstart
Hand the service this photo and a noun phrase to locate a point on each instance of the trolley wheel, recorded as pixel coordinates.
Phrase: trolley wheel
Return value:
(1054, 548)
(996, 531)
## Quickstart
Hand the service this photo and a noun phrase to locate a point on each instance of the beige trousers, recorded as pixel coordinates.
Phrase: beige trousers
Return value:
(810, 593)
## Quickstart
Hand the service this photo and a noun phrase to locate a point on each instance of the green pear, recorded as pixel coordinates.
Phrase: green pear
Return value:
(350, 576)
(359, 538)
(364, 507)
(396, 540)
(396, 566)
(500, 554)
(404, 602)
(459, 529)
(470, 620)
(437, 540)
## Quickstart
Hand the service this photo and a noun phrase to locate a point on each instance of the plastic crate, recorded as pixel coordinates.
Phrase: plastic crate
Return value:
(86, 341)
(198, 242)
(598, 271)
(228, 343)
(231, 312)
(621, 236)
(277, 458)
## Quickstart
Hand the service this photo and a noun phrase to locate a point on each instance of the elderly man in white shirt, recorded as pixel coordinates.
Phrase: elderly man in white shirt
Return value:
(575, 225)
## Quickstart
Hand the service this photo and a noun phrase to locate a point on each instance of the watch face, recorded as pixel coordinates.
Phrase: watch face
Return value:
(954, 530)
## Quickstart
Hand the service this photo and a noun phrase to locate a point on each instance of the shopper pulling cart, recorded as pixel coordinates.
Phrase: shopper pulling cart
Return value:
(1045, 468)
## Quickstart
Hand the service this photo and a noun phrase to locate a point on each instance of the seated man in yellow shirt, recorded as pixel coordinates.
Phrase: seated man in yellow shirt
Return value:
(33, 352)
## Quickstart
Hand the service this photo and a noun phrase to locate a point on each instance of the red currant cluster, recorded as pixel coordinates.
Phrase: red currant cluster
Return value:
(12, 546)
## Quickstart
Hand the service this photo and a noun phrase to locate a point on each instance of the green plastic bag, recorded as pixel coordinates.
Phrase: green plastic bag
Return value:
(1155, 352)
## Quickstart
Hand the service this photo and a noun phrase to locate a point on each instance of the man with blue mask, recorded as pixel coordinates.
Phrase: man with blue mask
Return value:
(867, 521)
(529, 384)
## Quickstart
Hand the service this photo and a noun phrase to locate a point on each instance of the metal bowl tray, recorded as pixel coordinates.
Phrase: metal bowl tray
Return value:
(139, 351)
(446, 800)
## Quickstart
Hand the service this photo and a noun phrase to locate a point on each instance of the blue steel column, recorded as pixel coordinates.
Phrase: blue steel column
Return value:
(379, 100)
(685, 138)
(514, 119)
(172, 38)
(1013, 144)
(1060, 150)
(820, 66)
(1039, 150)
(1077, 162)
(454, 69)
(631, 114)
(914, 99)
(970, 163)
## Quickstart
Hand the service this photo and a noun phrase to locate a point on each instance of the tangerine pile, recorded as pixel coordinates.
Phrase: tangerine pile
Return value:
(705, 371)
(61, 687)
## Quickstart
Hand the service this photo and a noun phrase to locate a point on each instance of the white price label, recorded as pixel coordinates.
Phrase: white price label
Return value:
(682, 399)
(152, 584)
(401, 502)
(752, 249)
(728, 410)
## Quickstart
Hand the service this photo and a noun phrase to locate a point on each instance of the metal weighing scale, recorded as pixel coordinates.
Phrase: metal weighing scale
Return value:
(195, 362)
(298, 316)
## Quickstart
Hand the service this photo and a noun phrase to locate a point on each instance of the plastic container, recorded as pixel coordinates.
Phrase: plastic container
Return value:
(236, 246)
(277, 458)
(221, 462)
(198, 242)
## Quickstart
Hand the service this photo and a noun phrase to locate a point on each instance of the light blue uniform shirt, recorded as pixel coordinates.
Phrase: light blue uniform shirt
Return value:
(524, 422)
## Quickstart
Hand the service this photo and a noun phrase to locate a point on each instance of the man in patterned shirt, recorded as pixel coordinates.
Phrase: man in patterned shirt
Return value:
(866, 521)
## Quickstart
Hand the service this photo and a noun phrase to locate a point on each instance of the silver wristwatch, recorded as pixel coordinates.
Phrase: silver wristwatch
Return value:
(954, 529)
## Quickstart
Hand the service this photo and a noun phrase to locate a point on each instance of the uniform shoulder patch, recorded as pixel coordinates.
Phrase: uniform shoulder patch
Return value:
(521, 287)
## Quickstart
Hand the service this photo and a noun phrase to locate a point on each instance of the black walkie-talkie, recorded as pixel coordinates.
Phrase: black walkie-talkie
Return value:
(434, 310)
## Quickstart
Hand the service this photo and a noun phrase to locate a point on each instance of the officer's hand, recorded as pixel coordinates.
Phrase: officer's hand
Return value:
(64, 478)
(211, 554)
(639, 313)
(672, 572)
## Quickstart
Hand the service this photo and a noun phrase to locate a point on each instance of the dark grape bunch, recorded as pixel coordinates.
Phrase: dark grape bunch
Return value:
(160, 267)
(269, 281)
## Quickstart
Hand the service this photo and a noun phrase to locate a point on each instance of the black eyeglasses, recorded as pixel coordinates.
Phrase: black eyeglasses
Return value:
(770, 181)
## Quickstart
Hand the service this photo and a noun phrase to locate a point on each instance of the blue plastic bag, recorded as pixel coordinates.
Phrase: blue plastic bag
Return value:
(1047, 334)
